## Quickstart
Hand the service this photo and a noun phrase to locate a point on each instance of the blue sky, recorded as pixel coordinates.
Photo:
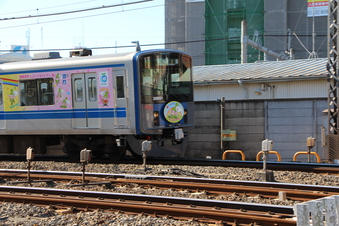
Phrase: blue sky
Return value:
(114, 26)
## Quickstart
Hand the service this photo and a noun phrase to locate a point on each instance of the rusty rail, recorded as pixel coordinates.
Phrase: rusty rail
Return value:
(209, 186)
(156, 205)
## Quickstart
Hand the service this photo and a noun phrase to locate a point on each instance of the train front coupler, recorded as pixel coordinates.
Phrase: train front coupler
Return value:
(178, 136)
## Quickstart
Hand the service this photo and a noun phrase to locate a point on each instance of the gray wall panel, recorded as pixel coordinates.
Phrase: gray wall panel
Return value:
(287, 122)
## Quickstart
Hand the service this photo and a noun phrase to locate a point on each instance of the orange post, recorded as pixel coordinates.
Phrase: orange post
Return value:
(269, 152)
(306, 153)
(233, 151)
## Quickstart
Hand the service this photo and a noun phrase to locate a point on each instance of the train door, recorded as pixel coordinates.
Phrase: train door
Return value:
(85, 101)
(120, 100)
(2, 113)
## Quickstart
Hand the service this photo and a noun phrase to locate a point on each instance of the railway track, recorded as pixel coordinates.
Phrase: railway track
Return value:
(181, 208)
(213, 187)
(203, 189)
(326, 168)
(197, 185)
(202, 210)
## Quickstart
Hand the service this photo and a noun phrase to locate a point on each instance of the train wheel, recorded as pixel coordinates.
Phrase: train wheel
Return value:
(73, 151)
(135, 155)
(98, 152)
(114, 152)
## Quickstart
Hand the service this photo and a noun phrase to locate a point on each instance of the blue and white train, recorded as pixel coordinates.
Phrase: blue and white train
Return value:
(108, 103)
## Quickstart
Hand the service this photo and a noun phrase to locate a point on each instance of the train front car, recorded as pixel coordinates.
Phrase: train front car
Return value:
(165, 107)
(107, 104)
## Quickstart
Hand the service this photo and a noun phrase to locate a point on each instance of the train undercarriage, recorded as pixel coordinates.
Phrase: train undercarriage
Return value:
(99, 145)
(70, 145)
(115, 147)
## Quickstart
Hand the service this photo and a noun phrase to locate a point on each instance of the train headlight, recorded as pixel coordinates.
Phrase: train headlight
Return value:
(156, 118)
(185, 116)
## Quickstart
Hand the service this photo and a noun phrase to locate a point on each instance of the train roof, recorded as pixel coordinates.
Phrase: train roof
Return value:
(72, 63)
(63, 63)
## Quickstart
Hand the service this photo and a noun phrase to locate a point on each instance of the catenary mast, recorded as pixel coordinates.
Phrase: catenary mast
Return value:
(333, 80)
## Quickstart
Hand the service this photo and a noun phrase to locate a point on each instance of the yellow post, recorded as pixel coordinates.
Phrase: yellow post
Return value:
(269, 152)
(306, 153)
(233, 151)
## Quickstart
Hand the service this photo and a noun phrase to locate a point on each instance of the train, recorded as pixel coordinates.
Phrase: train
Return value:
(104, 103)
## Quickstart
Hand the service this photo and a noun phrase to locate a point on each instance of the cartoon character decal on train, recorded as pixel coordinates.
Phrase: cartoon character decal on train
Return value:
(23, 96)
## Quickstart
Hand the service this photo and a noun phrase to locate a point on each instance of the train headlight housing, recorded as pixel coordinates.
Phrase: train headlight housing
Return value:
(185, 116)
(156, 118)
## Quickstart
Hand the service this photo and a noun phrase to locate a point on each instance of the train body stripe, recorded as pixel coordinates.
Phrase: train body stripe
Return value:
(64, 114)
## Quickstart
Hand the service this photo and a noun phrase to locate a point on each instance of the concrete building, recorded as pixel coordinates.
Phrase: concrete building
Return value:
(283, 101)
(210, 30)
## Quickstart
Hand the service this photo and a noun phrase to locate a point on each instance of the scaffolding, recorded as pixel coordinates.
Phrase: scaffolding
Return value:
(223, 29)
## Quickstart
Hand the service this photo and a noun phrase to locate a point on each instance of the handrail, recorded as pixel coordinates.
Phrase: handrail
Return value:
(306, 153)
(233, 151)
(269, 152)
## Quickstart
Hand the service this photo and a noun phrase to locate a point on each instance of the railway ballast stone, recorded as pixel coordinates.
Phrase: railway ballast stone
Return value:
(24, 214)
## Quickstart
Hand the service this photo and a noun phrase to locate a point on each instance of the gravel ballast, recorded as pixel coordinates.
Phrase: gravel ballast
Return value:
(25, 214)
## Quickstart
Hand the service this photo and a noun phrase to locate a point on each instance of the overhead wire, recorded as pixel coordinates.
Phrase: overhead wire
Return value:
(142, 45)
(80, 17)
(74, 11)
(56, 6)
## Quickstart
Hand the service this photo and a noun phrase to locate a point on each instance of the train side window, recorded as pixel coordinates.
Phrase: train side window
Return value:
(46, 94)
(92, 89)
(1, 101)
(120, 87)
(36, 92)
(28, 93)
(79, 94)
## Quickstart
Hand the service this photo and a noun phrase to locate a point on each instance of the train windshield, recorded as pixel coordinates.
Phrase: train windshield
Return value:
(166, 77)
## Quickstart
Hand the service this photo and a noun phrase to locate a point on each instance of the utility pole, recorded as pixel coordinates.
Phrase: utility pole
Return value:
(313, 54)
(332, 78)
(244, 39)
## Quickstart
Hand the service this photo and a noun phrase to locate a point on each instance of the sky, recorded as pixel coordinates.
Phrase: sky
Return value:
(116, 26)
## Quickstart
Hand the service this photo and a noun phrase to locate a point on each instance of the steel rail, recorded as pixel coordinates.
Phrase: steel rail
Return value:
(271, 165)
(210, 186)
(225, 211)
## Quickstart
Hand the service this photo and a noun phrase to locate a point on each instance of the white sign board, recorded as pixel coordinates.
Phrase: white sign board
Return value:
(317, 8)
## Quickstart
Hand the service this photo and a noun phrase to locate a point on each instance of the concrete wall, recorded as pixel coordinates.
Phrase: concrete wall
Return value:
(195, 31)
(275, 24)
(175, 24)
(287, 122)
(185, 28)
(281, 15)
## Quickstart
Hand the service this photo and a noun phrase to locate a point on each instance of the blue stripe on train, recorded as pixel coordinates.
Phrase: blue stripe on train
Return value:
(64, 114)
